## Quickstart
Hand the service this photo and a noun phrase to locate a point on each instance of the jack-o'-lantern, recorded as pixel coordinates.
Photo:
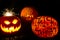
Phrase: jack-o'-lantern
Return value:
(45, 27)
(28, 13)
(10, 23)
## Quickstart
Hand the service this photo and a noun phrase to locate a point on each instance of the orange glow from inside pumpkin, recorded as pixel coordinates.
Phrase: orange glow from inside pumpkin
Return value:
(6, 22)
(11, 29)
(27, 13)
(45, 26)
(15, 21)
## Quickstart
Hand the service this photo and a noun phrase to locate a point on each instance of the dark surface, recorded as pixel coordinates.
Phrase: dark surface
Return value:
(42, 7)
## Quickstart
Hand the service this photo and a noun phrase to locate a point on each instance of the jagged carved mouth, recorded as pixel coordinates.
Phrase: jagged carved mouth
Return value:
(11, 29)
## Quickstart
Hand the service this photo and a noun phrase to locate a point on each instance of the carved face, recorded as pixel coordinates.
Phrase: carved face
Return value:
(10, 24)
(45, 26)
(28, 13)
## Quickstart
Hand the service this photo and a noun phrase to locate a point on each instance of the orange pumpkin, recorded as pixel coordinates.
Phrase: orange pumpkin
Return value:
(10, 24)
(28, 13)
(45, 27)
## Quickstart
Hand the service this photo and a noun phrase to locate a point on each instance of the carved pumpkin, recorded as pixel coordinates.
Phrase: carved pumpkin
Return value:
(10, 24)
(28, 13)
(45, 27)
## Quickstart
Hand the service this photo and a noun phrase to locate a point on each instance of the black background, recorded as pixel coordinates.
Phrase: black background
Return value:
(42, 7)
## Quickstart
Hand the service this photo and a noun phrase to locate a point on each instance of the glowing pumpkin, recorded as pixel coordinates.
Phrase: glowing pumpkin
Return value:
(28, 13)
(10, 24)
(45, 27)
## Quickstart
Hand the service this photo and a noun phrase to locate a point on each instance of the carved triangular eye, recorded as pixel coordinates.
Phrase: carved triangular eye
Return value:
(6, 22)
(14, 21)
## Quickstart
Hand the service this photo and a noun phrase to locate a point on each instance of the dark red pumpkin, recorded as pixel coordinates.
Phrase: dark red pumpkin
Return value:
(10, 24)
